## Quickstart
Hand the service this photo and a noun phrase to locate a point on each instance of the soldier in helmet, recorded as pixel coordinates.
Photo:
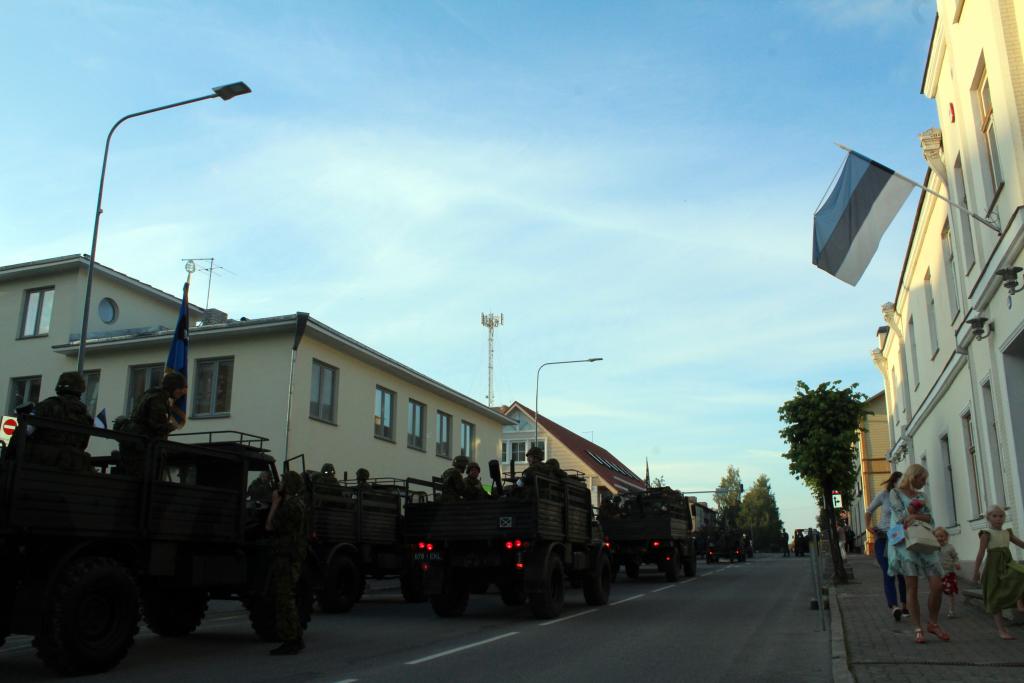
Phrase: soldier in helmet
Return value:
(63, 449)
(287, 524)
(154, 417)
(474, 487)
(327, 475)
(260, 490)
(453, 484)
(363, 478)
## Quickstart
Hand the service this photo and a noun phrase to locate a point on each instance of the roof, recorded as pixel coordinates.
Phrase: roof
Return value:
(606, 465)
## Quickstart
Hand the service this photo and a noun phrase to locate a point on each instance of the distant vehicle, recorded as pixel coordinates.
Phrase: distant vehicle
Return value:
(81, 552)
(725, 544)
(650, 527)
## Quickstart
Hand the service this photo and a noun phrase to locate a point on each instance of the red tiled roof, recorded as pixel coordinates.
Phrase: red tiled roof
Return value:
(606, 465)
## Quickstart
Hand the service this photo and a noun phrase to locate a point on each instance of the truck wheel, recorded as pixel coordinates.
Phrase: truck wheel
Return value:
(453, 598)
(632, 569)
(173, 613)
(672, 568)
(690, 565)
(264, 619)
(342, 585)
(597, 583)
(513, 593)
(412, 586)
(91, 619)
(548, 603)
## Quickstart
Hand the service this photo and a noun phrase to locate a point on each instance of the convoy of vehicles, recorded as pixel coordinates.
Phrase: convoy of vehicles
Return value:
(650, 527)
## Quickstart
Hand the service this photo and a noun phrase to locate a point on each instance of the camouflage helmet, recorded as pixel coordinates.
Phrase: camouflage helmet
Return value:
(473, 465)
(460, 462)
(362, 474)
(554, 464)
(328, 468)
(70, 383)
(173, 380)
(535, 452)
(291, 482)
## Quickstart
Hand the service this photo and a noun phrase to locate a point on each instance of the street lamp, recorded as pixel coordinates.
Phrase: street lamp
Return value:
(224, 92)
(536, 396)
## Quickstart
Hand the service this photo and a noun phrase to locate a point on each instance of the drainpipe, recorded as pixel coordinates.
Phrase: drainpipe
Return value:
(301, 319)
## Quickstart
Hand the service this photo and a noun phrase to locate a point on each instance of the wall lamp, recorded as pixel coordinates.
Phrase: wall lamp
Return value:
(981, 328)
(1009, 276)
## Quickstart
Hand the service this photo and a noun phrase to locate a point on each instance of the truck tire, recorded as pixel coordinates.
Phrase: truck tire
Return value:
(173, 613)
(412, 586)
(672, 567)
(632, 569)
(91, 617)
(547, 604)
(513, 593)
(597, 584)
(343, 583)
(453, 598)
(262, 615)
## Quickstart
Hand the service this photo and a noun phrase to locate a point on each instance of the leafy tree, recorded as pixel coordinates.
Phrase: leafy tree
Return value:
(759, 513)
(821, 430)
(657, 482)
(727, 501)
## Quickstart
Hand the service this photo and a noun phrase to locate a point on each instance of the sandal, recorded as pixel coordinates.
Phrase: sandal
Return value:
(919, 636)
(896, 613)
(937, 631)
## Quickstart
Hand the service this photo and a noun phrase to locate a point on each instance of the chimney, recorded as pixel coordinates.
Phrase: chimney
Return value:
(931, 148)
(213, 316)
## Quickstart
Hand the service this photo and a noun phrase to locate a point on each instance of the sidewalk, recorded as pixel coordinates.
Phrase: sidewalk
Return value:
(881, 649)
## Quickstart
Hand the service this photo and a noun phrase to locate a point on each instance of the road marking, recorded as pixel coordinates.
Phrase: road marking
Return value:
(233, 616)
(349, 680)
(571, 616)
(461, 648)
(632, 597)
(19, 648)
(664, 588)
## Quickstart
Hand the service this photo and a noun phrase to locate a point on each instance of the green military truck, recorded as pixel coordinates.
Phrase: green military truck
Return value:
(650, 527)
(85, 552)
(528, 544)
(356, 532)
(725, 544)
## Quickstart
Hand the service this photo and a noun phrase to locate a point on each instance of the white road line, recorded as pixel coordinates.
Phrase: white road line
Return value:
(571, 616)
(349, 680)
(664, 588)
(19, 648)
(632, 597)
(461, 648)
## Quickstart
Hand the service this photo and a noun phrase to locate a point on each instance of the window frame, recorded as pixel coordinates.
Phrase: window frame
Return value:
(214, 381)
(990, 152)
(526, 443)
(130, 398)
(933, 326)
(379, 430)
(967, 232)
(912, 341)
(317, 369)
(974, 475)
(443, 439)
(952, 286)
(11, 393)
(470, 450)
(45, 294)
(416, 443)
(91, 401)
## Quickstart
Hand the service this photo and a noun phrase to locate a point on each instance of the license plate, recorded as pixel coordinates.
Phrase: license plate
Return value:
(431, 556)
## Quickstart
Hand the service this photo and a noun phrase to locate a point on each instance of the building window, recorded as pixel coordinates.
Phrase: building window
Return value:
(929, 299)
(23, 390)
(912, 340)
(322, 392)
(965, 220)
(973, 471)
(35, 316)
(415, 433)
(905, 380)
(467, 440)
(141, 378)
(212, 389)
(950, 492)
(951, 283)
(108, 310)
(384, 414)
(515, 449)
(443, 447)
(983, 98)
(992, 434)
(92, 390)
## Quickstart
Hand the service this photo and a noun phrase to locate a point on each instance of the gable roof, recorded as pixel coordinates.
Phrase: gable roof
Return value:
(606, 465)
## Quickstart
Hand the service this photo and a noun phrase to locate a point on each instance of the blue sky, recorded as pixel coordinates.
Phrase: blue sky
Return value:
(632, 180)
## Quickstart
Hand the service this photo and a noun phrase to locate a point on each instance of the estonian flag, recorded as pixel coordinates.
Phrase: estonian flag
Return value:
(100, 421)
(850, 224)
(177, 357)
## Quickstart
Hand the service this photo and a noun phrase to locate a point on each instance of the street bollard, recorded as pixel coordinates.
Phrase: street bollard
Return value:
(816, 574)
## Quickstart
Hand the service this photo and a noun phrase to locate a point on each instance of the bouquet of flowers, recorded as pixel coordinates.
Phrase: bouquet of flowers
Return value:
(915, 507)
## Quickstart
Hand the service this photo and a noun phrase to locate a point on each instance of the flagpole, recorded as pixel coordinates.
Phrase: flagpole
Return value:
(984, 221)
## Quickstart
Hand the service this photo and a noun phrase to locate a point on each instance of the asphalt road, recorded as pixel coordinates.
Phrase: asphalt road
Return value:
(741, 622)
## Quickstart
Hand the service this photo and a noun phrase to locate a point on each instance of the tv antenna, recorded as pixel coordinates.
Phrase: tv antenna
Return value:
(209, 268)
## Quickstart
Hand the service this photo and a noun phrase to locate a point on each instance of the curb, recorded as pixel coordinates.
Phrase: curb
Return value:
(840, 663)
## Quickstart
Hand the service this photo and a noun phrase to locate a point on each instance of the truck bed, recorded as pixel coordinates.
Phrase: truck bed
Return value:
(620, 529)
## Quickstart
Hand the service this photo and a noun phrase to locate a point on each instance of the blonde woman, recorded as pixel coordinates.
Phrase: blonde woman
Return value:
(908, 504)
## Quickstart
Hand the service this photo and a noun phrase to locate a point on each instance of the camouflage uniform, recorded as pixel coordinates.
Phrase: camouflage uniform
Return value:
(327, 475)
(260, 490)
(474, 488)
(152, 415)
(453, 483)
(57, 448)
(289, 552)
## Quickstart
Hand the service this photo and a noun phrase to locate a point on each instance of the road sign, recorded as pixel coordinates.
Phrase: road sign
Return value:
(837, 500)
(7, 426)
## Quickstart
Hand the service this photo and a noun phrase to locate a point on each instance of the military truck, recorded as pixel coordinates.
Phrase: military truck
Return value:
(725, 544)
(650, 527)
(528, 543)
(356, 532)
(84, 551)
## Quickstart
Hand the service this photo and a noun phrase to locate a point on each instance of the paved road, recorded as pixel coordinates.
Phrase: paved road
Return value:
(742, 622)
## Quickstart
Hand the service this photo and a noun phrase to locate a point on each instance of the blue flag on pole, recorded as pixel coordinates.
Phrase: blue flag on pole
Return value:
(177, 357)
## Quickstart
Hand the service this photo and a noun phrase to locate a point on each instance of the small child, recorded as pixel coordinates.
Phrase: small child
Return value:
(950, 566)
(1002, 585)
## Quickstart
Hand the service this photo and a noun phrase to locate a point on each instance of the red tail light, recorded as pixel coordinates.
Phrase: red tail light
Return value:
(668, 558)
(656, 543)
(519, 543)
(509, 545)
(430, 546)
(519, 565)
(421, 545)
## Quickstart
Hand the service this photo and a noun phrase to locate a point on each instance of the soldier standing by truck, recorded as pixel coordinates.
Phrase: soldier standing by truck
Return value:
(64, 449)
(287, 523)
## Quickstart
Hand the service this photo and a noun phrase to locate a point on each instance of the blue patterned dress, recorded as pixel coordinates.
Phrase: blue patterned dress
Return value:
(901, 560)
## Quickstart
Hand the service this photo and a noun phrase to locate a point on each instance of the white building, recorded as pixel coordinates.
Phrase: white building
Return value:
(306, 387)
(953, 355)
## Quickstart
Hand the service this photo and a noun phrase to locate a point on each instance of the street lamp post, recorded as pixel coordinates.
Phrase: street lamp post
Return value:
(536, 396)
(224, 92)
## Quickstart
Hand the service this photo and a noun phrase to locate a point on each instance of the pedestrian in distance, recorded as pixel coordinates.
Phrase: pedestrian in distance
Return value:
(287, 524)
(798, 542)
(908, 504)
(950, 566)
(889, 583)
(785, 543)
(453, 481)
(1002, 581)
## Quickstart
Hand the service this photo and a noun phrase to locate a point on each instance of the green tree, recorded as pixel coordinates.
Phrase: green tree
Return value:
(727, 498)
(821, 430)
(759, 514)
(657, 482)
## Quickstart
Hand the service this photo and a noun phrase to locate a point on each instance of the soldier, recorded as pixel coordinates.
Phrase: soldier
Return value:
(474, 488)
(287, 523)
(260, 489)
(363, 478)
(327, 475)
(453, 485)
(63, 449)
(155, 416)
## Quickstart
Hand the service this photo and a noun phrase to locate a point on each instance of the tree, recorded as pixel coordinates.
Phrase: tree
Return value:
(821, 430)
(728, 500)
(658, 482)
(759, 513)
